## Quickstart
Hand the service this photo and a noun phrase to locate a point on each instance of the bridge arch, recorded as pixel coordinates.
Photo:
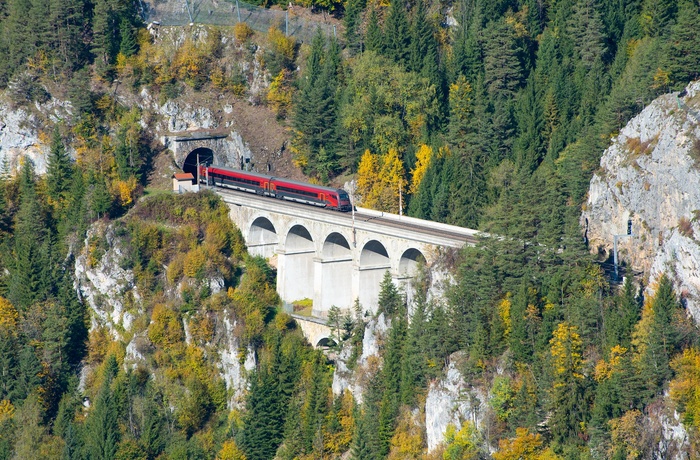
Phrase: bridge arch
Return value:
(333, 275)
(325, 342)
(299, 251)
(374, 262)
(262, 238)
(410, 261)
(206, 155)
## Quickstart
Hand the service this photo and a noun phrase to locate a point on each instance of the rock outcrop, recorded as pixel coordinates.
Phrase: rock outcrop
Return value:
(651, 176)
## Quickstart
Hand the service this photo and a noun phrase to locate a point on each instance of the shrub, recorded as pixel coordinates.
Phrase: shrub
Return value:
(242, 32)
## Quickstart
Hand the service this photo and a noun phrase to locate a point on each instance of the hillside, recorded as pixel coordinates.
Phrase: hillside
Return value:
(133, 325)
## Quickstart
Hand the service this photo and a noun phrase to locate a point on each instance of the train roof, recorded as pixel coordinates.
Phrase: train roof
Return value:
(240, 171)
(307, 184)
(279, 179)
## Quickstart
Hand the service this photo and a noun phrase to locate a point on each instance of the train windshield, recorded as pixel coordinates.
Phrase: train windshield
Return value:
(343, 196)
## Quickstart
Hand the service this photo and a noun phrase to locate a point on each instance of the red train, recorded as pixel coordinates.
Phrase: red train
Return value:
(276, 187)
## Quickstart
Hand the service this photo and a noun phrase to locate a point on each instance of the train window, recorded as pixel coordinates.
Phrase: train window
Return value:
(343, 196)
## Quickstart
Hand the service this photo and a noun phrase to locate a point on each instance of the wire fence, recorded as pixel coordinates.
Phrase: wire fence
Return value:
(229, 12)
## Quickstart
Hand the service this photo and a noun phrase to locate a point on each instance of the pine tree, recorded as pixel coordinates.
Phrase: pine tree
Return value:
(373, 35)
(127, 46)
(467, 55)
(397, 34)
(529, 147)
(59, 169)
(662, 337)
(101, 427)
(421, 37)
(105, 33)
(29, 254)
(390, 300)
(683, 56)
(352, 20)
(68, 19)
(657, 16)
(502, 69)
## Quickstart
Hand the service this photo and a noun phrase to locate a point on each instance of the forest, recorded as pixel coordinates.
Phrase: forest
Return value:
(490, 115)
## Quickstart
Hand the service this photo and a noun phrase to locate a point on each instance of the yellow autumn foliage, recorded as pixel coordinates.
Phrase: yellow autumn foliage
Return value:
(339, 442)
(524, 446)
(380, 182)
(566, 350)
(125, 190)
(424, 156)
(165, 328)
(504, 312)
(605, 369)
(193, 265)
(242, 32)
(8, 317)
(625, 432)
(280, 43)
(279, 95)
(685, 388)
(367, 173)
(229, 450)
(7, 410)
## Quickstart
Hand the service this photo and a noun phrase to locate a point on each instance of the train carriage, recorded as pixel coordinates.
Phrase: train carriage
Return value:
(286, 189)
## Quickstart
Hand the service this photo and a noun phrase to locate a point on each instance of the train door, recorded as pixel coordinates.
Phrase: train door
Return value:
(267, 187)
(323, 198)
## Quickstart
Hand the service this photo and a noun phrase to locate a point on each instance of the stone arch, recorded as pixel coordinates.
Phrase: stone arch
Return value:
(374, 253)
(410, 260)
(374, 262)
(299, 277)
(325, 342)
(206, 156)
(262, 238)
(334, 276)
(336, 245)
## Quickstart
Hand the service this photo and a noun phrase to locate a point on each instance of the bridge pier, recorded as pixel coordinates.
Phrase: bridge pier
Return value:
(332, 286)
(295, 275)
(369, 280)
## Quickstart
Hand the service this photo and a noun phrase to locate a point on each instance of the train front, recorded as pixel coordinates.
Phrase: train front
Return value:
(344, 201)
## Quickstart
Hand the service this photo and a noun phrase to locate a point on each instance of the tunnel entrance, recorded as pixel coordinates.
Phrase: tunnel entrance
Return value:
(206, 156)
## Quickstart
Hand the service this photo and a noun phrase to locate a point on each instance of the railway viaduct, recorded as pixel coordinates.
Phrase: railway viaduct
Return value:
(333, 258)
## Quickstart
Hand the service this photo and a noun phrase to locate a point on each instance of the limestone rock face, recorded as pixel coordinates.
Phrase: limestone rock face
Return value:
(102, 283)
(17, 138)
(452, 401)
(651, 176)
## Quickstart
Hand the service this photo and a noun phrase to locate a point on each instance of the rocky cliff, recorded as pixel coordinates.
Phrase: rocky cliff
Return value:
(650, 175)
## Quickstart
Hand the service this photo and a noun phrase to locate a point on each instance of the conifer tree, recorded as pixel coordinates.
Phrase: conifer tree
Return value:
(661, 337)
(390, 300)
(26, 278)
(127, 46)
(352, 20)
(397, 33)
(683, 48)
(421, 37)
(59, 169)
(101, 427)
(373, 35)
(502, 69)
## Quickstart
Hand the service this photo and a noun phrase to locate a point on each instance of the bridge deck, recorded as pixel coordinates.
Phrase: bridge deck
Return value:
(377, 222)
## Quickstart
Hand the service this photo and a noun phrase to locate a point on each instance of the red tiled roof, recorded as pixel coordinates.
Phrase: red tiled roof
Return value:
(183, 176)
